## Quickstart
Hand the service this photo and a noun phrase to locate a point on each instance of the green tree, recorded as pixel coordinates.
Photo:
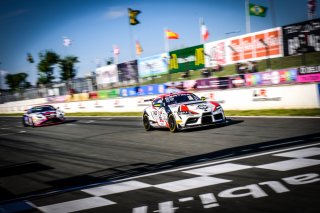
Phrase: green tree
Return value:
(17, 81)
(46, 66)
(67, 70)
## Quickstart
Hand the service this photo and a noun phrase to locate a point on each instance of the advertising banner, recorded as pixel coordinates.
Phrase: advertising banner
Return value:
(285, 76)
(191, 58)
(309, 74)
(212, 83)
(173, 87)
(110, 93)
(153, 66)
(237, 81)
(256, 46)
(301, 37)
(152, 89)
(309, 78)
(107, 74)
(128, 71)
(309, 70)
(215, 53)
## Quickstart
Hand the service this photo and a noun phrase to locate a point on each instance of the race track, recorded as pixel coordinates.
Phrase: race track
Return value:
(109, 164)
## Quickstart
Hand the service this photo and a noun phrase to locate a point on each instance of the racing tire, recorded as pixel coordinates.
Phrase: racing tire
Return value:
(31, 123)
(24, 122)
(146, 123)
(172, 123)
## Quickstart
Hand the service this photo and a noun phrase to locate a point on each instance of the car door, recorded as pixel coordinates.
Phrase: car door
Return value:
(158, 112)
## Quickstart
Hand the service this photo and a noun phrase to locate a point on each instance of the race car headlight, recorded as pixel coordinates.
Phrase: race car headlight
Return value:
(216, 108)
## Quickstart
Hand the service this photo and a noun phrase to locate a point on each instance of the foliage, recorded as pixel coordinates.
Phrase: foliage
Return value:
(46, 66)
(67, 70)
(16, 81)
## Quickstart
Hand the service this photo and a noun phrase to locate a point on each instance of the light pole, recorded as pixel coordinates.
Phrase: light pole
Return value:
(0, 77)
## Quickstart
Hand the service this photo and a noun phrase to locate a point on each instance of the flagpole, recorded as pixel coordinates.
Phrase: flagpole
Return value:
(273, 13)
(166, 41)
(247, 16)
(131, 42)
(200, 22)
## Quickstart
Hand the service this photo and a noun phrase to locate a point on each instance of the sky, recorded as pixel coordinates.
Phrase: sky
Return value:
(95, 26)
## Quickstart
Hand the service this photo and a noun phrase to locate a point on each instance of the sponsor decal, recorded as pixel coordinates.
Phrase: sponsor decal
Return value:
(261, 95)
(117, 104)
(202, 107)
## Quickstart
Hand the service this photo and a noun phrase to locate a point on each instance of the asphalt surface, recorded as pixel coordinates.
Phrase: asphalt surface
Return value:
(103, 164)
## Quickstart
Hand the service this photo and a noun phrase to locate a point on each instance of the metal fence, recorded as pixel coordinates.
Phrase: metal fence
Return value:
(50, 90)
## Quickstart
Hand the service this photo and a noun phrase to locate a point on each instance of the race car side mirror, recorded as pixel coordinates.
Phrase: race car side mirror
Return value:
(203, 98)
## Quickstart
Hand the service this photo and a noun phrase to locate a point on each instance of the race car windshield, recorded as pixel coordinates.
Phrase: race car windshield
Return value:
(42, 109)
(181, 98)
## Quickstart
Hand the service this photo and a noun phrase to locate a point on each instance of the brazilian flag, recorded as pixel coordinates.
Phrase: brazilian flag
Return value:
(257, 10)
(133, 16)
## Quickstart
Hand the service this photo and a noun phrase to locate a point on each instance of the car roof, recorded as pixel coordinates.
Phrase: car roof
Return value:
(46, 105)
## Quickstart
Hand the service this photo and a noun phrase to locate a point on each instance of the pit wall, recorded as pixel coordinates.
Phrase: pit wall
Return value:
(275, 97)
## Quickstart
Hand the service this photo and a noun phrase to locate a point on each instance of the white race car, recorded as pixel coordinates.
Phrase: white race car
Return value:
(181, 111)
(42, 115)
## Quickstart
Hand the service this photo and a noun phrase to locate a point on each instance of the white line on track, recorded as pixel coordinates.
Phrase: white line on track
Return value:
(217, 162)
(13, 133)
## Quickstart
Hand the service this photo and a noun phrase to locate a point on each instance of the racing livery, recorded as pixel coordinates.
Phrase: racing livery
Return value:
(181, 111)
(42, 115)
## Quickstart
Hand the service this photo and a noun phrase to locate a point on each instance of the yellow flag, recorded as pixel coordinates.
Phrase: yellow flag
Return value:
(133, 16)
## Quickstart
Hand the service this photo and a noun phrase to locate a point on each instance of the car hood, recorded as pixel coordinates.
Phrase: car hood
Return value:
(197, 106)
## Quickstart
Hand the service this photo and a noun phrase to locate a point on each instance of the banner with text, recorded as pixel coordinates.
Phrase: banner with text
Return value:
(128, 71)
(106, 75)
(256, 46)
(191, 58)
(286, 76)
(153, 65)
(301, 37)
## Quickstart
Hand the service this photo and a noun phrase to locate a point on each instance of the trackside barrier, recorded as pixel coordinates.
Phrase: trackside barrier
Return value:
(274, 97)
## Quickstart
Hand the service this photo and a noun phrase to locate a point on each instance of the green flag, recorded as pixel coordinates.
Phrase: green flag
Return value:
(257, 10)
(133, 16)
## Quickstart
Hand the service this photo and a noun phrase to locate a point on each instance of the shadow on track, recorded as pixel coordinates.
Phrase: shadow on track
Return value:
(203, 128)
(57, 123)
